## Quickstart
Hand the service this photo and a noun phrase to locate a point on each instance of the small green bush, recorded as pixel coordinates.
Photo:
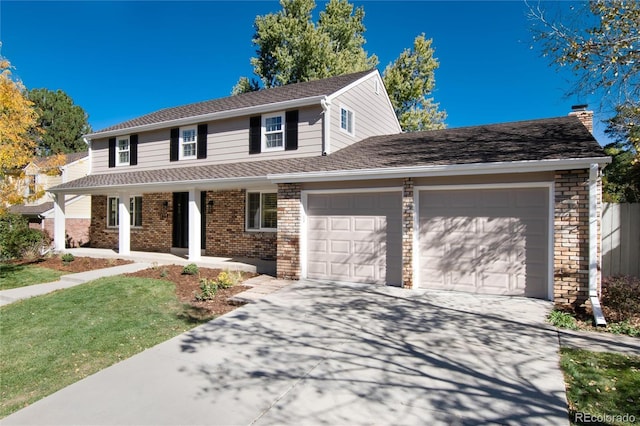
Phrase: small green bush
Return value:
(17, 240)
(624, 327)
(67, 258)
(621, 294)
(208, 289)
(190, 269)
(562, 320)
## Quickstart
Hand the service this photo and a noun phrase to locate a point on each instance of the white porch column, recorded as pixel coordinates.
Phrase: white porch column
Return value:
(124, 224)
(195, 243)
(59, 219)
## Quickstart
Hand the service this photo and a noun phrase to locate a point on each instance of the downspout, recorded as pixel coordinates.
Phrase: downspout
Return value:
(326, 126)
(598, 316)
(88, 142)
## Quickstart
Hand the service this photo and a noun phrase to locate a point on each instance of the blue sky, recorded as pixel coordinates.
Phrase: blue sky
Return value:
(122, 59)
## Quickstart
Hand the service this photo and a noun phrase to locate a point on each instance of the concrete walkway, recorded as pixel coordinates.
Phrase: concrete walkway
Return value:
(599, 341)
(325, 353)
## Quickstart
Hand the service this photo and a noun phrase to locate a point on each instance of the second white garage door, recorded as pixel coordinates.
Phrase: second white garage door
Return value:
(355, 237)
(492, 241)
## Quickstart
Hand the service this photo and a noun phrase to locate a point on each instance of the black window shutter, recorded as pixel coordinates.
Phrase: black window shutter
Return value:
(133, 148)
(291, 130)
(112, 152)
(255, 134)
(202, 141)
(174, 144)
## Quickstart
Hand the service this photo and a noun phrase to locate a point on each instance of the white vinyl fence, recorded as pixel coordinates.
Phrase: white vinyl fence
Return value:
(621, 239)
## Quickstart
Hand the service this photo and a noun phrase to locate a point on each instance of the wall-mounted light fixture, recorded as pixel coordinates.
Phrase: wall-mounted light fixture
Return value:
(165, 208)
(210, 206)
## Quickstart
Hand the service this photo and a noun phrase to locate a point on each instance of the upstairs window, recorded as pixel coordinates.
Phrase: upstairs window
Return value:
(273, 131)
(135, 211)
(122, 151)
(346, 120)
(188, 142)
(262, 211)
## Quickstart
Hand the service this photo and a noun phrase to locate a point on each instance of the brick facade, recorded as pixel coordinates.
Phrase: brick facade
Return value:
(408, 209)
(289, 209)
(571, 230)
(225, 228)
(76, 230)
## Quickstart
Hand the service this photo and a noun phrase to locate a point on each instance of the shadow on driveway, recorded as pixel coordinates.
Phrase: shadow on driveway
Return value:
(323, 353)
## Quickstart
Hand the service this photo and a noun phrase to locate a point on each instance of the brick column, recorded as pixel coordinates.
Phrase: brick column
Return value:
(289, 208)
(408, 208)
(571, 242)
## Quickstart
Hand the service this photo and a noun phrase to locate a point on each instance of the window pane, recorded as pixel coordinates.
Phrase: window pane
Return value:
(124, 157)
(273, 124)
(189, 150)
(253, 219)
(274, 140)
(112, 208)
(189, 135)
(269, 210)
(137, 211)
(123, 144)
(350, 121)
(343, 118)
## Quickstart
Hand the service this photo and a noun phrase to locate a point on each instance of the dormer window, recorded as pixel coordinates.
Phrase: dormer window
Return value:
(188, 142)
(273, 131)
(123, 151)
(347, 121)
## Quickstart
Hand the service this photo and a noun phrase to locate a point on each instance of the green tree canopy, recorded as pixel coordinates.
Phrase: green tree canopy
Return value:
(410, 80)
(292, 48)
(62, 121)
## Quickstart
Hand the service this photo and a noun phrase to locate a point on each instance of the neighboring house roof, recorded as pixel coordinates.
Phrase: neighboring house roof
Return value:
(274, 95)
(547, 140)
(68, 158)
(32, 210)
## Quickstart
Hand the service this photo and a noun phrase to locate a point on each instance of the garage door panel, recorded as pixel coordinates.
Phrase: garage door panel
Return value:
(318, 223)
(486, 240)
(317, 246)
(363, 237)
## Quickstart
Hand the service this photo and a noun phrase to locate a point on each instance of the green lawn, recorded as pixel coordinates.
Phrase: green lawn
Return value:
(13, 276)
(51, 341)
(602, 385)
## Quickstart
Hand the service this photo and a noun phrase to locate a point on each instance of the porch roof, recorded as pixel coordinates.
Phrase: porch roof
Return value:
(549, 141)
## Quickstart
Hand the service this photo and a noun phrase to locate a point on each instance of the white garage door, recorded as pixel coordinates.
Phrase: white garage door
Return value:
(355, 237)
(492, 241)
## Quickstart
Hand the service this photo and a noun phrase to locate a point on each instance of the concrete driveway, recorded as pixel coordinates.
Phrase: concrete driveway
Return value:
(322, 353)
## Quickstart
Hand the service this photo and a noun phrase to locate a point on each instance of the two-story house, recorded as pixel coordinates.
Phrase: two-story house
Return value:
(40, 212)
(319, 177)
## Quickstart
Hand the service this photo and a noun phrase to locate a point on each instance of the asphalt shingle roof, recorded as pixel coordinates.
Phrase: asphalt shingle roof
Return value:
(546, 139)
(325, 86)
(32, 210)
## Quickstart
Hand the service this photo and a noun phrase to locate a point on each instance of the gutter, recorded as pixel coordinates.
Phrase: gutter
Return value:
(257, 109)
(326, 126)
(441, 170)
(598, 316)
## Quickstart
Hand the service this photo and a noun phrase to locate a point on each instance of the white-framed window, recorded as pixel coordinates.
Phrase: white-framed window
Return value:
(188, 141)
(347, 120)
(273, 132)
(31, 181)
(122, 150)
(135, 211)
(262, 211)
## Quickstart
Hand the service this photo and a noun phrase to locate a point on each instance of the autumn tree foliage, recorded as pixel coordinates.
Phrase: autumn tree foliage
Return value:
(18, 125)
(292, 48)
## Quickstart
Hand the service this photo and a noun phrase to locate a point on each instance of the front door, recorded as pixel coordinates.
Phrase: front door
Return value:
(181, 219)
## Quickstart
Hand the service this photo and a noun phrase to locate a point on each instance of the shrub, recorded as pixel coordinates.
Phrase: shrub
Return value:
(562, 320)
(67, 258)
(208, 289)
(621, 294)
(225, 280)
(190, 269)
(18, 240)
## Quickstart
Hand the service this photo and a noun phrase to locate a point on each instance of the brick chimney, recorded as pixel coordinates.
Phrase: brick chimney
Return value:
(585, 116)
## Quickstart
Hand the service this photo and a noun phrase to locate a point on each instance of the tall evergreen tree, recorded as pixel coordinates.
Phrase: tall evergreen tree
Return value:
(62, 121)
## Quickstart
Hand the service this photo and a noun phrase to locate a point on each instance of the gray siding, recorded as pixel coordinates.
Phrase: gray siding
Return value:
(227, 142)
(373, 114)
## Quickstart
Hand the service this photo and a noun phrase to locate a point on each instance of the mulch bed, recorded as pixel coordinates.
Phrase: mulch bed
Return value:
(187, 286)
(79, 264)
